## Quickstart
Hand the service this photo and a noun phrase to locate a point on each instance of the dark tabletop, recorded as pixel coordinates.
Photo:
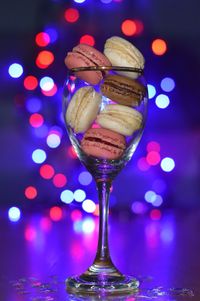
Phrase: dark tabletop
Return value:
(38, 254)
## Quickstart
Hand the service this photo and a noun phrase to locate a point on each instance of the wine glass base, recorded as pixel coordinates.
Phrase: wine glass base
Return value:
(103, 285)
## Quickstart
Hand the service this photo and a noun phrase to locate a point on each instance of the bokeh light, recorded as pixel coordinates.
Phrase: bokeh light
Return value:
(106, 1)
(76, 215)
(128, 27)
(85, 178)
(44, 59)
(30, 233)
(79, 195)
(162, 101)
(56, 213)
(87, 39)
(53, 140)
(42, 39)
(52, 33)
(47, 171)
(14, 214)
(153, 158)
(138, 207)
(71, 15)
(151, 91)
(88, 225)
(159, 46)
(46, 83)
(143, 164)
(33, 104)
(36, 120)
(41, 131)
(59, 180)
(153, 146)
(50, 92)
(167, 84)
(150, 196)
(158, 201)
(67, 196)
(15, 70)
(167, 164)
(155, 214)
(89, 206)
(30, 192)
(39, 156)
(79, 1)
(30, 82)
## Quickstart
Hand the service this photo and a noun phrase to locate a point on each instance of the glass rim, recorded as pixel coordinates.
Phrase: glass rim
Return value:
(107, 68)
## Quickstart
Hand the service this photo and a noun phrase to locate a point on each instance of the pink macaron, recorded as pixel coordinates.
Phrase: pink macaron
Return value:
(84, 55)
(103, 143)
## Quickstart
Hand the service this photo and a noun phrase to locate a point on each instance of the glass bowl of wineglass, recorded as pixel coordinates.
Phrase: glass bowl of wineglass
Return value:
(104, 122)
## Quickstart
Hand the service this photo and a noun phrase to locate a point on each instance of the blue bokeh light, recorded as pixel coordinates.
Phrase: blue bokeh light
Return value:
(14, 214)
(67, 196)
(162, 101)
(77, 226)
(15, 70)
(150, 196)
(167, 164)
(158, 201)
(167, 84)
(39, 156)
(53, 34)
(151, 91)
(85, 178)
(42, 131)
(33, 104)
(106, 1)
(46, 83)
(79, 195)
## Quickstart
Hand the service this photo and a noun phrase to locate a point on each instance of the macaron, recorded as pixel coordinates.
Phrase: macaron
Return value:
(121, 52)
(83, 109)
(87, 56)
(123, 90)
(120, 119)
(103, 143)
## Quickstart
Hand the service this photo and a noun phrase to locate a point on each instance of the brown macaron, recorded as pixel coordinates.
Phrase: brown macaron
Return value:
(123, 90)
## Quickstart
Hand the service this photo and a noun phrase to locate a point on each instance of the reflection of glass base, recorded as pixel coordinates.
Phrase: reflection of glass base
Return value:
(102, 285)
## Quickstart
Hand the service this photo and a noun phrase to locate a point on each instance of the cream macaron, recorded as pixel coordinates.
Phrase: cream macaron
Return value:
(83, 109)
(121, 119)
(121, 52)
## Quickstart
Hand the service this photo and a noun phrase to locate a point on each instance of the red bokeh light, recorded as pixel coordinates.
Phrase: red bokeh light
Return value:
(71, 152)
(128, 27)
(155, 214)
(153, 158)
(159, 47)
(30, 233)
(51, 92)
(42, 39)
(153, 146)
(55, 213)
(30, 192)
(71, 15)
(36, 120)
(59, 180)
(47, 171)
(139, 27)
(30, 82)
(76, 215)
(87, 39)
(143, 164)
(44, 59)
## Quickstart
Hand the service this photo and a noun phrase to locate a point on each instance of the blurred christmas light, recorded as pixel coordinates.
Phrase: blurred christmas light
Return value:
(155, 214)
(59, 180)
(88, 225)
(143, 164)
(53, 140)
(33, 104)
(46, 83)
(167, 164)
(87, 39)
(79, 195)
(153, 146)
(167, 84)
(52, 33)
(158, 201)
(30, 233)
(128, 27)
(85, 178)
(76, 215)
(138, 207)
(167, 234)
(159, 46)
(36, 120)
(50, 92)
(71, 15)
(79, 1)
(106, 1)
(39, 156)
(139, 26)
(15, 70)
(30, 192)
(14, 214)
(151, 91)
(89, 206)
(42, 39)
(153, 158)
(67, 196)
(44, 59)
(150, 196)
(30, 82)
(55, 213)
(47, 171)
(162, 101)
(77, 226)
(45, 224)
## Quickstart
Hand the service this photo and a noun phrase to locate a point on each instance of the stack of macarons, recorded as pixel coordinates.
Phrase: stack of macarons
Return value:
(119, 118)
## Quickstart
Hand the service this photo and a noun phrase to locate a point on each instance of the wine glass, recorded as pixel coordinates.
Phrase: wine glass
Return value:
(102, 277)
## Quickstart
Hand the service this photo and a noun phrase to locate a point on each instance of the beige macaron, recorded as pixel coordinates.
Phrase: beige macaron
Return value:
(122, 53)
(83, 109)
(121, 119)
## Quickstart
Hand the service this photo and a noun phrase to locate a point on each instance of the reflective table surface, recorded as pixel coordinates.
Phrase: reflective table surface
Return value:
(38, 254)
